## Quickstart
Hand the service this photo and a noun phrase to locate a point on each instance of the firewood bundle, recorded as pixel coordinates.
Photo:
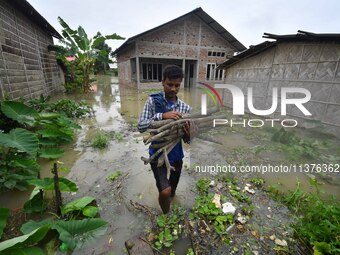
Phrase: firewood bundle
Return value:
(167, 133)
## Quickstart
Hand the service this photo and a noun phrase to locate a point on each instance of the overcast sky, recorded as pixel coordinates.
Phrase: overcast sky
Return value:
(247, 20)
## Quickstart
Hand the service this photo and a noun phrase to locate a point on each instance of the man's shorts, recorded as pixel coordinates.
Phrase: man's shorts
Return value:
(160, 174)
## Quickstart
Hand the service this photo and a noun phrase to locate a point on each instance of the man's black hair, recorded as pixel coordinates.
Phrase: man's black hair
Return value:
(172, 72)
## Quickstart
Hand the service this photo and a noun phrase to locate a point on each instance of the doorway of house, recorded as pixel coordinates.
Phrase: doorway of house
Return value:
(190, 73)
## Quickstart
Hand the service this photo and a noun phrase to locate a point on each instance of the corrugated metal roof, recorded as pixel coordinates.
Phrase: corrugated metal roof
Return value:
(304, 36)
(205, 18)
(32, 14)
(301, 36)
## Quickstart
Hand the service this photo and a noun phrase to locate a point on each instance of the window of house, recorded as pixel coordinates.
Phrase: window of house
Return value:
(151, 72)
(216, 53)
(214, 74)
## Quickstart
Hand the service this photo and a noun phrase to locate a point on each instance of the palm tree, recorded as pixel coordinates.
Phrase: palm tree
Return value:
(84, 48)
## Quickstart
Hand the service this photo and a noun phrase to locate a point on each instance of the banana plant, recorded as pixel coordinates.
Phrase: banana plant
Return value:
(84, 47)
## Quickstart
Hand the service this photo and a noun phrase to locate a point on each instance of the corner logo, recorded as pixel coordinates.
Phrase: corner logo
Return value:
(238, 99)
(239, 104)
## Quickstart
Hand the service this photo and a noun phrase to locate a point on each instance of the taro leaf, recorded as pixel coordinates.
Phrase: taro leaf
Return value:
(4, 213)
(53, 153)
(67, 122)
(19, 112)
(10, 184)
(90, 211)
(25, 240)
(78, 204)
(48, 115)
(79, 233)
(65, 185)
(50, 131)
(47, 142)
(35, 203)
(31, 225)
(29, 164)
(24, 251)
(21, 139)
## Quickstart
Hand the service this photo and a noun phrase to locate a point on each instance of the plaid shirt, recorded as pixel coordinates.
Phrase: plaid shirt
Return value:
(149, 114)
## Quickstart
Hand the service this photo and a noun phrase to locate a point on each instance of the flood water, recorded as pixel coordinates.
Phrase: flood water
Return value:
(117, 110)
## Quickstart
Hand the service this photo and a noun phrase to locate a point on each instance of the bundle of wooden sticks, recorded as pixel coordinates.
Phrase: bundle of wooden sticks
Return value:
(167, 133)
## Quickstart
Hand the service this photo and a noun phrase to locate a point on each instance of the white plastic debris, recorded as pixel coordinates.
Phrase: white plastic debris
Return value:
(228, 208)
(241, 220)
(219, 186)
(250, 191)
(281, 242)
(212, 184)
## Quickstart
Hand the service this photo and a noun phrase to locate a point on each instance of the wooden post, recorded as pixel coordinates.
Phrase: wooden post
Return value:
(58, 199)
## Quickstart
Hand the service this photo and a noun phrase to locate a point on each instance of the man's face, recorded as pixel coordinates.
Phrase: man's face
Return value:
(171, 87)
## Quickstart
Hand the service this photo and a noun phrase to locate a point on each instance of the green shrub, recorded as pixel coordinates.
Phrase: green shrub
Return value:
(317, 221)
(100, 140)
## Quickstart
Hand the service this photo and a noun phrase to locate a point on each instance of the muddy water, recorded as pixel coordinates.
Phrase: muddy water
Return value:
(117, 110)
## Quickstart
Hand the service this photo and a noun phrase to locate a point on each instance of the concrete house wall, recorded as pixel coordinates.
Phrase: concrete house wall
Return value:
(27, 69)
(310, 65)
(185, 41)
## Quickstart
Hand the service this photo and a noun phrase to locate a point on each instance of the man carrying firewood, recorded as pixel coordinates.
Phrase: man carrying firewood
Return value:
(162, 106)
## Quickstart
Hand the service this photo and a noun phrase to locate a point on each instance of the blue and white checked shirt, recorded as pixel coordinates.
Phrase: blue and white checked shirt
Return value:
(149, 113)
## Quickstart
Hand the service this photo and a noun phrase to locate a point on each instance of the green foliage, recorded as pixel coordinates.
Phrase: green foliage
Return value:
(35, 135)
(202, 186)
(79, 205)
(71, 108)
(4, 213)
(51, 153)
(100, 140)
(257, 181)
(77, 234)
(20, 139)
(190, 252)
(65, 185)
(114, 176)
(296, 147)
(35, 202)
(19, 112)
(169, 227)
(23, 242)
(317, 221)
(118, 136)
(85, 49)
(102, 61)
(205, 209)
(64, 106)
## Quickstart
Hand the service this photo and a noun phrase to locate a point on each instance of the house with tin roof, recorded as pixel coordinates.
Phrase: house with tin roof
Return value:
(194, 41)
(303, 60)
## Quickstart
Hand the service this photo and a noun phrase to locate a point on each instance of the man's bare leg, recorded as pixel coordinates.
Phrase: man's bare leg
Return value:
(164, 199)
